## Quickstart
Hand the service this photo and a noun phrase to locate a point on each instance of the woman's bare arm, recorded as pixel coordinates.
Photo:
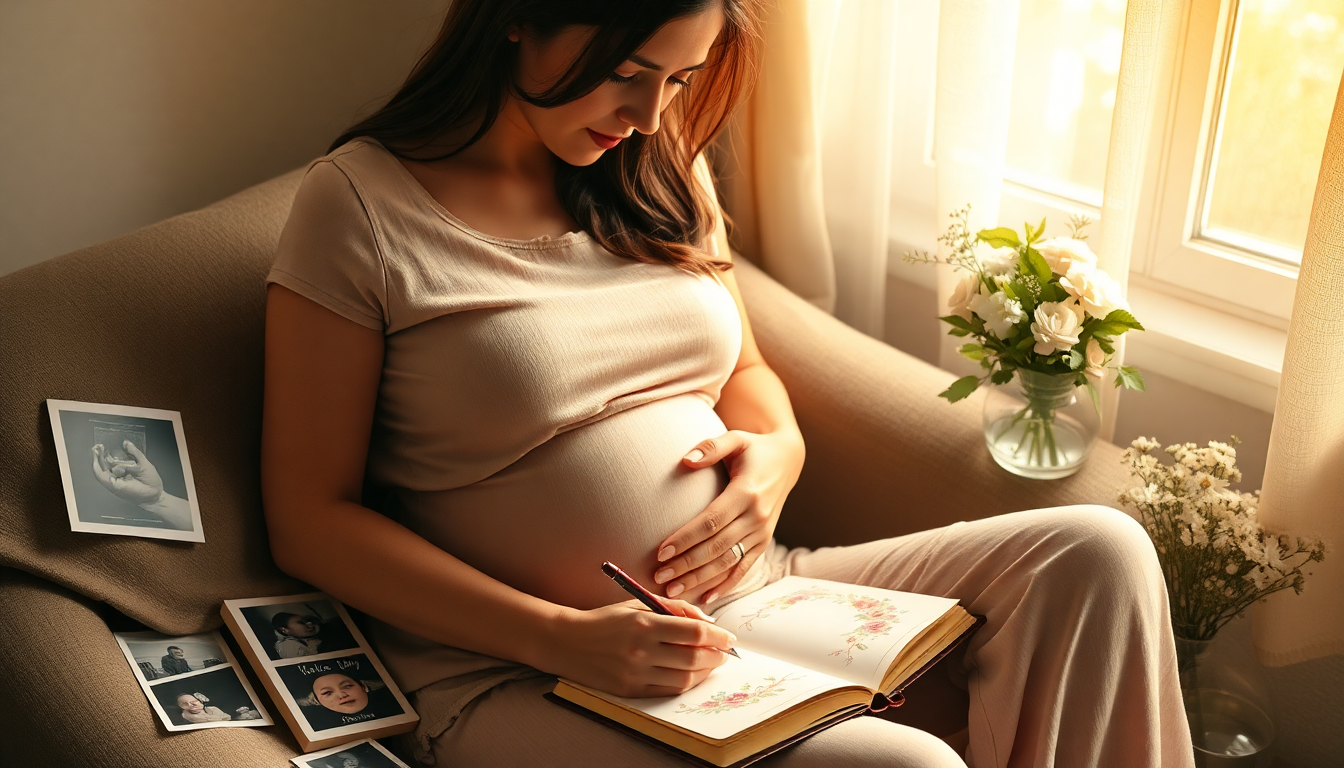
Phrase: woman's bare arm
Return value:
(322, 375)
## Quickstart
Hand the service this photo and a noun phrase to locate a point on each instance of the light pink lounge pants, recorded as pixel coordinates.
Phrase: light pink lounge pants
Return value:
(1075, 667)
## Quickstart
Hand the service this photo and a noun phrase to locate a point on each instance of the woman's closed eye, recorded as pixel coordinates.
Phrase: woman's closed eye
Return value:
(616, 77)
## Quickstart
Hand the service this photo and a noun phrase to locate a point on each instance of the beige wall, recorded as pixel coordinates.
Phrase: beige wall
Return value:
(114, 115)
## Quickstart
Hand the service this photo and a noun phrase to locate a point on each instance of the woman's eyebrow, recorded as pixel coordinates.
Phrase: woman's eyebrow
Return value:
(643, 62)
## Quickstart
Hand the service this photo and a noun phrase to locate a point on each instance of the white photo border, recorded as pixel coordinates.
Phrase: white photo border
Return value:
(55, 407)
(305, 761)
(269, 666)
(231, 663)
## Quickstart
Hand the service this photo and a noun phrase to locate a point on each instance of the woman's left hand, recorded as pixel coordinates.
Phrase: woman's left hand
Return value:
(762, 469)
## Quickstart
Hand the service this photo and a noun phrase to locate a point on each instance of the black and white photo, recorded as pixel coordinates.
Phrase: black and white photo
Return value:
(125, 470)
(339, 692)
(192, 681)
(295, 630)
(160, 659)
(360, 754)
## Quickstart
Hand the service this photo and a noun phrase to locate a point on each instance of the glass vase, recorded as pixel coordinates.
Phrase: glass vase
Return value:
(1227, 704)
(1039, 425)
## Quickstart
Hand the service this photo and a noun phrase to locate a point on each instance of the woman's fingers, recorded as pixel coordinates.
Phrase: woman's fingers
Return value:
(721, 512)
(716, 550)
(687, 610)
(99, 470)
(735, 574)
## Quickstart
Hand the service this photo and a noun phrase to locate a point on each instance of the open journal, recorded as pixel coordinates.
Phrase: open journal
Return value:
(813, 652)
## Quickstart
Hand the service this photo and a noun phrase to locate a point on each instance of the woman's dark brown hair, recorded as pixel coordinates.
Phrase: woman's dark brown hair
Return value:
(641, 200)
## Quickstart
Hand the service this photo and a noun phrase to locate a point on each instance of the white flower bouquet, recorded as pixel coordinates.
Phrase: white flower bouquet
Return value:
(1042, 311)
(1032, 304)
(1215, 556)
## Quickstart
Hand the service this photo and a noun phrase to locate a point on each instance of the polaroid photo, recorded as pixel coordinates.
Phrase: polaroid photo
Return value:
(319, 669)
(192, 681)
(125, 471)
(334, 694)
(294, 630)
(359, 754)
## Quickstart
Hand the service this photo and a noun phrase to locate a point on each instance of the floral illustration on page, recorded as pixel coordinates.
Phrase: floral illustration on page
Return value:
(877, 616)
(724, 701)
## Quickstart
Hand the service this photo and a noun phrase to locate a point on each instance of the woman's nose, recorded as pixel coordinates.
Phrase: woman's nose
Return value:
(644, 114)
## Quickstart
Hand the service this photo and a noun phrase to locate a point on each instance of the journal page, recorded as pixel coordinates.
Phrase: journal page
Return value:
(848, 631)
(738, 695)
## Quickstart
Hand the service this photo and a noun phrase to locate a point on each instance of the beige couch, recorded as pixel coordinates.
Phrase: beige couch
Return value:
(171, 317)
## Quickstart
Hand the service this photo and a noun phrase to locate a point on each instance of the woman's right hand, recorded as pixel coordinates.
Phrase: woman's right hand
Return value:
(627, 650)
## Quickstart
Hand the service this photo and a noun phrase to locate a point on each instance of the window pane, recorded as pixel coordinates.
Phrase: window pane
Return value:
(1278, 94)
(1065, 71)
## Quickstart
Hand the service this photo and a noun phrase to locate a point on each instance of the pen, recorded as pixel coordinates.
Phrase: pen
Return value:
(641, 594)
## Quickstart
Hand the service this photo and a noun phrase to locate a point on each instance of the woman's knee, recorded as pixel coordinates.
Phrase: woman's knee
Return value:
(870, 742)
(1102, 546)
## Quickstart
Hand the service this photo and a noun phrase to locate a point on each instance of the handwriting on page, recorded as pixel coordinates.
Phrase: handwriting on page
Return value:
(876, 616)
(726, 702)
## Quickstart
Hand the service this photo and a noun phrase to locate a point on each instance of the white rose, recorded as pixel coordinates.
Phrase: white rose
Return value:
(1096, 361)
(999, 261)
(1096, 291)
(999, 312)
(1062, 253)
(1057, 326)
(960, 301)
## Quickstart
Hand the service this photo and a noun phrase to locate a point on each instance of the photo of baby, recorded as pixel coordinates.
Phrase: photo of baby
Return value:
(296, 630)
(191, 681)
(161, 659)
(125, 470)
(213, 697)
(364, 754)
(332, 693)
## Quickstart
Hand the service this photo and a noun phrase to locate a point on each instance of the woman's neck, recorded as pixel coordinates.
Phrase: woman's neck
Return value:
(510, 147)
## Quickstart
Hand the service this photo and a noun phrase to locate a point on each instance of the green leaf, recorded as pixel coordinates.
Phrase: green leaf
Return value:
(1075, 358)
(1096, 396)
(999, 237)
(1040, 230)
(956, 321)
(860, 647)
(1010, 291)
(1039, 266)
(1130, 377)
(1026, 343)
(1053, 292)
(1105, 344)
(1003, 375)
(972, 351)
(1123, 319)
(961, 388)
(958, 332)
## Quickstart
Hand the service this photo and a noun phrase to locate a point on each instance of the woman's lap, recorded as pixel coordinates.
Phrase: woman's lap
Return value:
(513, 725)
(1069, 594)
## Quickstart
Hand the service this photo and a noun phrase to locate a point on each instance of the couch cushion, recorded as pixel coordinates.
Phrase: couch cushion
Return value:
(170, 316)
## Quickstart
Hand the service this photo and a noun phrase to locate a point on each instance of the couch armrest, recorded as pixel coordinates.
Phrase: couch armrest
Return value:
(885, 455)
(71, 698)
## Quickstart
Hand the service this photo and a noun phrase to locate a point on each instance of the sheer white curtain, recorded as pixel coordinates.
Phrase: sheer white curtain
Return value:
(1304, 475)
(805, 168)
(975, 62)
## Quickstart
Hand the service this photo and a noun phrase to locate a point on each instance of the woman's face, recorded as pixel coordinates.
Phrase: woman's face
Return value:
(191, 704)
(301, 626)
(340, 693)
(633, 100)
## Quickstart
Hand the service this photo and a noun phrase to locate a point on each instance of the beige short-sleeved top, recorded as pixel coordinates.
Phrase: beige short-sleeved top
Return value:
(536, 398)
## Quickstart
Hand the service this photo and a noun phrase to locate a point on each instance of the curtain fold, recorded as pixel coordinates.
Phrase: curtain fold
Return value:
(1304, 475)
(972, 101)
(1147, 58)
(804, 167)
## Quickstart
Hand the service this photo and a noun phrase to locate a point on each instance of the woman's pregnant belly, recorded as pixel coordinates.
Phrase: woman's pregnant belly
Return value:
(609, 490)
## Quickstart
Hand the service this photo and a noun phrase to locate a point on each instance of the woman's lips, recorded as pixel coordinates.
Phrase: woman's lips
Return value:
(603, 140)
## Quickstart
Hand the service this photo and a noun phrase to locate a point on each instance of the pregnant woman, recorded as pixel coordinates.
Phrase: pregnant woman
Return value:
(504, 344)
